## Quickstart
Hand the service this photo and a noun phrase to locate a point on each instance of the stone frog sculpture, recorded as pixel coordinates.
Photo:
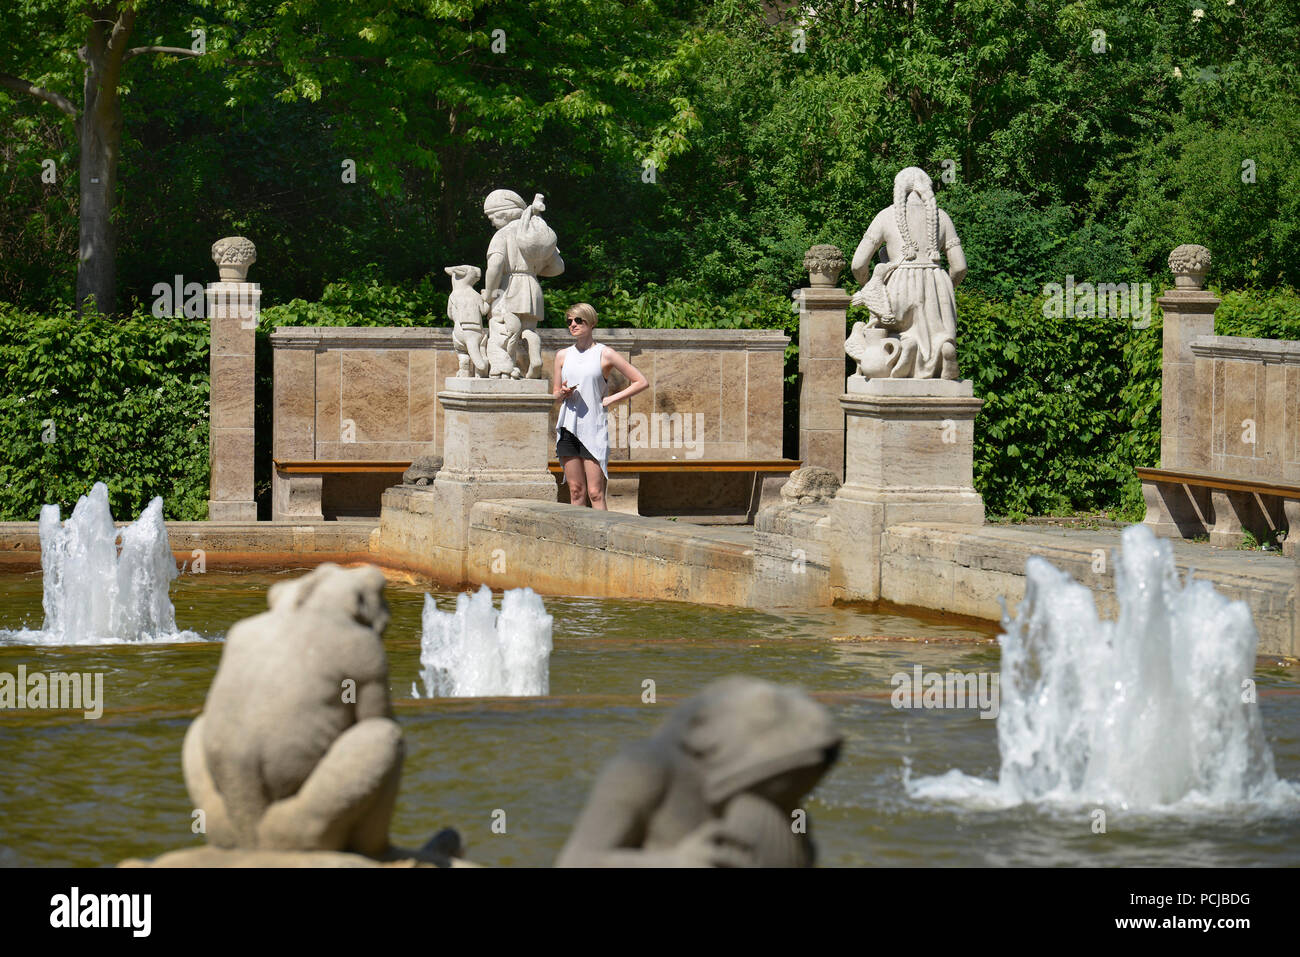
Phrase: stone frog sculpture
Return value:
(718, 785)
(466, 309)
(296, 748)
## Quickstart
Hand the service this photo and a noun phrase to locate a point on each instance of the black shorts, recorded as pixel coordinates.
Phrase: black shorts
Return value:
(568, 446)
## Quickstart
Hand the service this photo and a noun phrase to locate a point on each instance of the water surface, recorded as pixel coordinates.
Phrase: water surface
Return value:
(90, 793)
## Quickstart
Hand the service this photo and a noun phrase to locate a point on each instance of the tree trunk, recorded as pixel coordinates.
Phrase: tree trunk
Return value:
(453, 194)
(452, 159)
(101, 138)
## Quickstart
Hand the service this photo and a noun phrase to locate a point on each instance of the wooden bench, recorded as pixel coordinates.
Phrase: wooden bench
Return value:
(302, 501)
(1191, 504)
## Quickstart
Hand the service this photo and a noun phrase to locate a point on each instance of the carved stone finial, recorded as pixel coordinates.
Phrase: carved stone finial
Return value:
(233, 255)
(824, 264)
(1189, 264)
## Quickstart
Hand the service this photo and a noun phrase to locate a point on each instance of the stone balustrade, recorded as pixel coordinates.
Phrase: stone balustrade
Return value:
(371, 394)
(1247, 399)
(1229, 425)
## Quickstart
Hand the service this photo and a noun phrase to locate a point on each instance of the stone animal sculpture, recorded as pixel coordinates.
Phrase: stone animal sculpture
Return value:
(423, 470)
(504, 336)
(466, 309)
(876, 353)
(810, 485)
(296, 748)
(718, 785)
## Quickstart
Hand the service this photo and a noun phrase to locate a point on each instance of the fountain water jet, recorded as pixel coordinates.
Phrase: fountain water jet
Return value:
(94, 594)
(480, 652)
(1150, 711)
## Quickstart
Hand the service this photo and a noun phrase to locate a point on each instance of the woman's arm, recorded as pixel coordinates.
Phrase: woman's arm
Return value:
(559, 391)
(637, 382)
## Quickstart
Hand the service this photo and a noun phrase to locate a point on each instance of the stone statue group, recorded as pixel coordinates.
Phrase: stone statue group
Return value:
(522, 249)
(910, 298)
(296, 750)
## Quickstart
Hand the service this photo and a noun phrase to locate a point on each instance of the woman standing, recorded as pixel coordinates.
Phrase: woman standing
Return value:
(581, 431)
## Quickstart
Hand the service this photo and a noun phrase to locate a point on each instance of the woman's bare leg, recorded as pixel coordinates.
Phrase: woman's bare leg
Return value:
(576, 478)
(595, 483)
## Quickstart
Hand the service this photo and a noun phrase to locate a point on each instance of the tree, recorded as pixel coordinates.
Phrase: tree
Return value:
(417, 93)
(107, 29)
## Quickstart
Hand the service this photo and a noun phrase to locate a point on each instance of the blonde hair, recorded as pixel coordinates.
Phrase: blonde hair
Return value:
(584, 311)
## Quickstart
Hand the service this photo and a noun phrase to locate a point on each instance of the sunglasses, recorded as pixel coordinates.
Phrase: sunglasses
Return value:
(580, 321)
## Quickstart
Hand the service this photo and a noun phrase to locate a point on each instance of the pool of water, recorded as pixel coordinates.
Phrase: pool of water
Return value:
(92, 792)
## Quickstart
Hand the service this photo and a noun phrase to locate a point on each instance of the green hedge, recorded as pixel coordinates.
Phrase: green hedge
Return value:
(88, 399)
(1072, 405)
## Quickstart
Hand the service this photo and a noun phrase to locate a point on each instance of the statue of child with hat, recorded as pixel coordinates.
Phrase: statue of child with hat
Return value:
(523, 248)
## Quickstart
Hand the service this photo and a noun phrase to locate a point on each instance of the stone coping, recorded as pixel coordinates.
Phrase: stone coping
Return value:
(1236, 347)
(557, 549)
(228, 545)
(944, 388)
(965, 569)
(423, 337)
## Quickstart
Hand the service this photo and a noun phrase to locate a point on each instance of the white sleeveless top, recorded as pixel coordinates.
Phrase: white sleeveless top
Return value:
(582, 412)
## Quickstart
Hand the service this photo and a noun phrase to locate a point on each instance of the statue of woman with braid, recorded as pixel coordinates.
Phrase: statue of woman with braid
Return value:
(911, 295)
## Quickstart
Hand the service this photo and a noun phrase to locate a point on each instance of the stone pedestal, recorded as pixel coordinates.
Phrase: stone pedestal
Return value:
(233, 309)
(1185, 408)
(823, 313)
(496, 444)
(909, 456)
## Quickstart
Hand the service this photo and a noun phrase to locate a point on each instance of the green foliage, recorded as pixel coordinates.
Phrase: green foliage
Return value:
(1254, 314)
(1056, 156)
(89, 399)
(1052, 436)
(1232, 185)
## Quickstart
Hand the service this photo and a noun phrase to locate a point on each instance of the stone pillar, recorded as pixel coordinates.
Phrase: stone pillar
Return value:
(495, 445)
(823, 314)
(909, 457)
(233, 308)
(1184, 407)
